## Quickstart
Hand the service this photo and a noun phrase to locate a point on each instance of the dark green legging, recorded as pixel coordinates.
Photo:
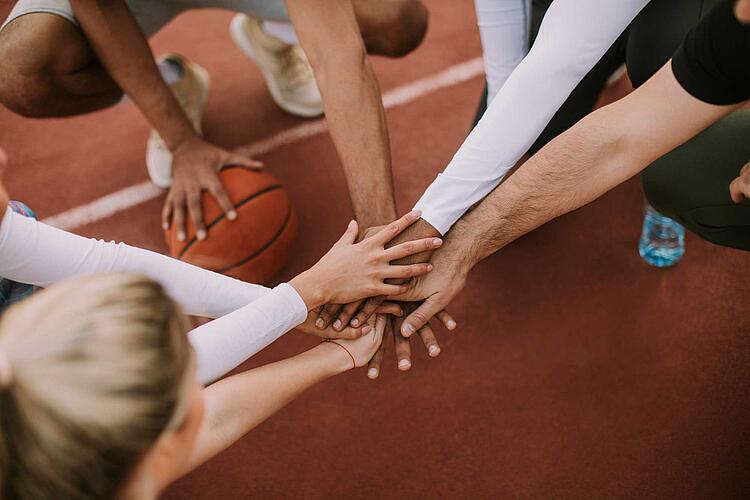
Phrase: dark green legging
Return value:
(691, 183)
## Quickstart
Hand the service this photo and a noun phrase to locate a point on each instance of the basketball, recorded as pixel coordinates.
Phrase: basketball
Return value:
(257, 244)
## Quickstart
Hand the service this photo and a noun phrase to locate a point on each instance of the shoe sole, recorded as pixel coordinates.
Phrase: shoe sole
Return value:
(153, 171)
(237, 32)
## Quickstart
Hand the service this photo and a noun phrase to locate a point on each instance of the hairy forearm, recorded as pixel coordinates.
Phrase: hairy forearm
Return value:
(579, 166)
(239, 403)
(122, 49)
(357, 122)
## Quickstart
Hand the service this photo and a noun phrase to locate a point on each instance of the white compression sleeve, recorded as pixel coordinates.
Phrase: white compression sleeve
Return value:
(573, 37)
(225, 343)
(504, 30)
(37, 254)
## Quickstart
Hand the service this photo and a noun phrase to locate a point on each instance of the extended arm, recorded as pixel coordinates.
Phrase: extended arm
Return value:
(604, 149)
(329, 34)
(568, 45)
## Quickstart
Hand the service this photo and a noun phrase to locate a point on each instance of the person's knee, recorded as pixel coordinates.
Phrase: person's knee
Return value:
(24, 81)
(399, 29)
(663, 190)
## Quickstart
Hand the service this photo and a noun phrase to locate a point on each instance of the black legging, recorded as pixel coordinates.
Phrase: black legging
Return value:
(678, 183)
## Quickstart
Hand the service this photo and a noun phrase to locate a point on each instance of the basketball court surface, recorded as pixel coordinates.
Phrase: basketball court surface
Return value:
(577, 371)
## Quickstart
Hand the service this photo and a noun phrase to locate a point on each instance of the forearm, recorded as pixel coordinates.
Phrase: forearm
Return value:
(579, 166)
(122, 49)
(358, 128)
(329, 34)
(237, 404)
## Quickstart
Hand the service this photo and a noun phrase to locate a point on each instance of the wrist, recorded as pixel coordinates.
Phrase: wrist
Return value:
(336, 356)
(310, 289)
(181, 138)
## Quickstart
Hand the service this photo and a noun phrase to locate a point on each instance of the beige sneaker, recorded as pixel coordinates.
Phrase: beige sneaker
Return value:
(191, 92)
(284, 66)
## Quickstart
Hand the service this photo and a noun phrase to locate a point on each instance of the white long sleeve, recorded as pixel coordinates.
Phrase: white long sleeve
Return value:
(504, 30)
(573, 37)
(37, 254)
(224, 343)
(251, 316)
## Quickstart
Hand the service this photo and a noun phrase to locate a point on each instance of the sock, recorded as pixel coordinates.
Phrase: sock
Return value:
(284, 31)
(170, 72)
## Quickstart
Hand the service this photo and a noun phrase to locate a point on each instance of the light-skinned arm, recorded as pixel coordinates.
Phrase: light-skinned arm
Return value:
(239, 403)
(603, 150)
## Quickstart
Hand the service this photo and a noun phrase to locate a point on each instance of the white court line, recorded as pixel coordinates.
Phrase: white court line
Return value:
(126, 198)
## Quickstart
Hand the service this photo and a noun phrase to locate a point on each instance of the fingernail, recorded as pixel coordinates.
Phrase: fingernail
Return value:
(355, 322)
(434, 350)
(429, 267)
(201, 234)
(337, 324)
(407, 329)
(232, 215)
(181, 236)
(451, 324)
(416, 214)
(372, 373)
(404, 364)
(437, 242)
(319, 323)
(366, 329)
(165, 226)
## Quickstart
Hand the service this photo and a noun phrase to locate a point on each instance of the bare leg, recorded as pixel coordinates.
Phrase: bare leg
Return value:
(47, 69)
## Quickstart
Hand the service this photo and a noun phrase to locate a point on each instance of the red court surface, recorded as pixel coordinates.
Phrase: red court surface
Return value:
(577, 371)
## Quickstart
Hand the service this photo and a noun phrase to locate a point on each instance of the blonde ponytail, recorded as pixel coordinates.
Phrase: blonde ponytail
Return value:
(97, 366)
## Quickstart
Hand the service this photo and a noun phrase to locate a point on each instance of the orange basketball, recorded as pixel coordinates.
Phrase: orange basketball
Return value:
(253, 247)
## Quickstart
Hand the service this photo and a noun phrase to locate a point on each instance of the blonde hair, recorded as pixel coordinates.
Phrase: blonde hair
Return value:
(98, 365)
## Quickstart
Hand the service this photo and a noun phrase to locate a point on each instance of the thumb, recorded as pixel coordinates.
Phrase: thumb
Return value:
(238, 159)
(350, 235)
(735, 190)
(420, 316)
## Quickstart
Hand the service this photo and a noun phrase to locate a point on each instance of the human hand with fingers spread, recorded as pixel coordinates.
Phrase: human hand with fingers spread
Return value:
(195, 165)
(739, 188)
(352, 271)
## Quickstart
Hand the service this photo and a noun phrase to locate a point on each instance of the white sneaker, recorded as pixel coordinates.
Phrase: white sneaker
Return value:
(191, 92)
(284, 66)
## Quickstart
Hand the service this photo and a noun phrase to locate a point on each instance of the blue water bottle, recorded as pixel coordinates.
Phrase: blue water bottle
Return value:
(662, 240)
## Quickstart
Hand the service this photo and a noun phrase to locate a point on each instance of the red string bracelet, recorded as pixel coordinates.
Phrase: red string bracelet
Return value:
(354, 363)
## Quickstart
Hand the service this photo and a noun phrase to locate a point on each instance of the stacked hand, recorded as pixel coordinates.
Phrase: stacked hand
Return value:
(344, 319)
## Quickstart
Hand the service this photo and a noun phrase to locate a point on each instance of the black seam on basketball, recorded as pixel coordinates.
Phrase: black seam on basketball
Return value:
(223, 215)
(264, 247)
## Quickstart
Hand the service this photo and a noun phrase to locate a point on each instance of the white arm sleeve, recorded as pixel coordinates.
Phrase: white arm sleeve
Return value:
(225, 343)
(504, 30)
(573, 37)
(37, 254)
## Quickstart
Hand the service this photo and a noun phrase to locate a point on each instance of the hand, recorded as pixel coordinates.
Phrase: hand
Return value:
(363, 348)
(435, 290)
(346, 333)
(363, 309)
(739, 188)
(195, 167)
(353, 271)
(402, 344)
